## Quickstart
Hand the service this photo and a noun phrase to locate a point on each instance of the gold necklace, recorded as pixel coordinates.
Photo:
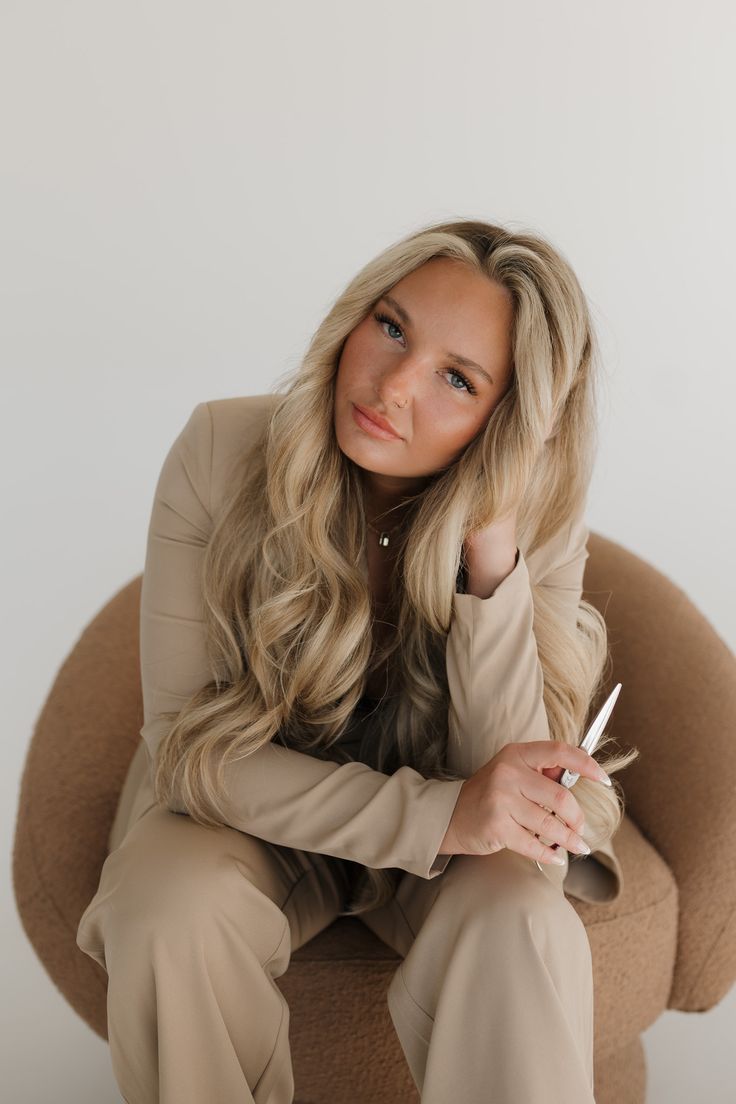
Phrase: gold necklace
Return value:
(383, 534)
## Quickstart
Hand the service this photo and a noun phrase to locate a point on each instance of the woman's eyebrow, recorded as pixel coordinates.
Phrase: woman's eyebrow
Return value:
(403, 315)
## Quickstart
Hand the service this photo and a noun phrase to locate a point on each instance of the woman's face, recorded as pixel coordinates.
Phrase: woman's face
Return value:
(401, 366)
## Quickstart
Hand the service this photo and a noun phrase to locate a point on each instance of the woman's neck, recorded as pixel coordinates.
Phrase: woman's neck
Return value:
(386, 497)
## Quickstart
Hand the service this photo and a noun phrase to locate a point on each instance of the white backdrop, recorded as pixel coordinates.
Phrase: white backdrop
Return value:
(187, 187)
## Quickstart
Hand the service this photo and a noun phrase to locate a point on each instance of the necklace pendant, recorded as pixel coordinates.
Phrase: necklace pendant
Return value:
(383, 539)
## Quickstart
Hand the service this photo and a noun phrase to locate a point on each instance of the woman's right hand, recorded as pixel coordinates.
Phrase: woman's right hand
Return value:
(501, 805)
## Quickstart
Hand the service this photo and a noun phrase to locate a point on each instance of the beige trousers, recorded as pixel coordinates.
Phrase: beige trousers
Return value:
(493, 999)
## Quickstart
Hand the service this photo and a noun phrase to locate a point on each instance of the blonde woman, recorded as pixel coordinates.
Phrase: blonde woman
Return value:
(365, 662)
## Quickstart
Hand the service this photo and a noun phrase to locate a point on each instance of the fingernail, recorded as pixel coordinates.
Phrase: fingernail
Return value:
(558, 860)
(603, 777)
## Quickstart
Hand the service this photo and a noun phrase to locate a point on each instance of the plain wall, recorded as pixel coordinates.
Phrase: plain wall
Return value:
(186, 188)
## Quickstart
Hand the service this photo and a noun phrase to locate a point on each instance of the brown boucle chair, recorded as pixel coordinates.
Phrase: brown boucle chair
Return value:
(669, 941)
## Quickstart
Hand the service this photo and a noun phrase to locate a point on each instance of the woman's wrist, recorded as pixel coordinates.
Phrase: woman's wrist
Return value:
(485, 574)
(491, 554)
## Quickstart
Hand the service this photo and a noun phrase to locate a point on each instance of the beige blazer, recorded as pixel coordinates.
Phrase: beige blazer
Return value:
(288, 797)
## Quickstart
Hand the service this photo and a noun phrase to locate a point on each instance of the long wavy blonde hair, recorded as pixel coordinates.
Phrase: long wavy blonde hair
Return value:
(288, 609)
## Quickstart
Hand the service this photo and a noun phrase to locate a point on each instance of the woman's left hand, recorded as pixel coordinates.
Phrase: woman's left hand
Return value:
(493, 543)
(490, 553)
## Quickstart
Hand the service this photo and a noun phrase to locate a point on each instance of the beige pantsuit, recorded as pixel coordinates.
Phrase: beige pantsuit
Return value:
(493, 1000)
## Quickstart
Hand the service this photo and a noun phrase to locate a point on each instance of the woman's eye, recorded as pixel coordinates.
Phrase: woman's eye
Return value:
(468, 385)
(384, 319)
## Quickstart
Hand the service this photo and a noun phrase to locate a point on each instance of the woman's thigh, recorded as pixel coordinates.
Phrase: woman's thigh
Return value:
(167, 869)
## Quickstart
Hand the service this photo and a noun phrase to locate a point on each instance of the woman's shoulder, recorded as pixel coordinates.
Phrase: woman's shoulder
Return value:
(236, 423)
(238, 417)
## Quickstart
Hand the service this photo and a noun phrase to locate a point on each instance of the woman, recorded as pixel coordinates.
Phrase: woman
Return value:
(364, 651)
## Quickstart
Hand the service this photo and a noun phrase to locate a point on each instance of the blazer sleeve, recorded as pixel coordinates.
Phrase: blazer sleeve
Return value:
(494, 674)
(284, 796)
(496, 682)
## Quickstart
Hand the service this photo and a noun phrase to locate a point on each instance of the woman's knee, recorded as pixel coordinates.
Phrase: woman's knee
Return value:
(174, 878)
(505, 889)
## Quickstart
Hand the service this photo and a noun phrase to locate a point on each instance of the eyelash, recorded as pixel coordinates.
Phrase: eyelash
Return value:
(379, 317)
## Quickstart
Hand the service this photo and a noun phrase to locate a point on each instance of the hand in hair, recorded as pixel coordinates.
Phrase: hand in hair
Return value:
(490, 554)
(501, 805)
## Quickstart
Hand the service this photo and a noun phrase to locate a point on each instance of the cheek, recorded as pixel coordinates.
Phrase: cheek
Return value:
(344, 369)
(359, 357)
(444, 440)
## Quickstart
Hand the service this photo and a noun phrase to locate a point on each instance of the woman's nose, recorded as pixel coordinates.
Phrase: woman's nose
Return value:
(399, 381)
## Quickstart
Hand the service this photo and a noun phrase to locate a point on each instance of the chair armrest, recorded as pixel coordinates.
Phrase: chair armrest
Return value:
(678, 706)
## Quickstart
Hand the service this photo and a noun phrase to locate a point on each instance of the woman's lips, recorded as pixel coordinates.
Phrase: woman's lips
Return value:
(372, 427)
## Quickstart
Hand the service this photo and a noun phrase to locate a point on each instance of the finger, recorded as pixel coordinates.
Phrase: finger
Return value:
(556, 753)
(545, 793)
(555, 773)
(543, 822)
(526, 843)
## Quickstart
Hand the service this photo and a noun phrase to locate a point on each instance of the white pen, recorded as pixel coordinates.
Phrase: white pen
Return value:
(590, 740)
